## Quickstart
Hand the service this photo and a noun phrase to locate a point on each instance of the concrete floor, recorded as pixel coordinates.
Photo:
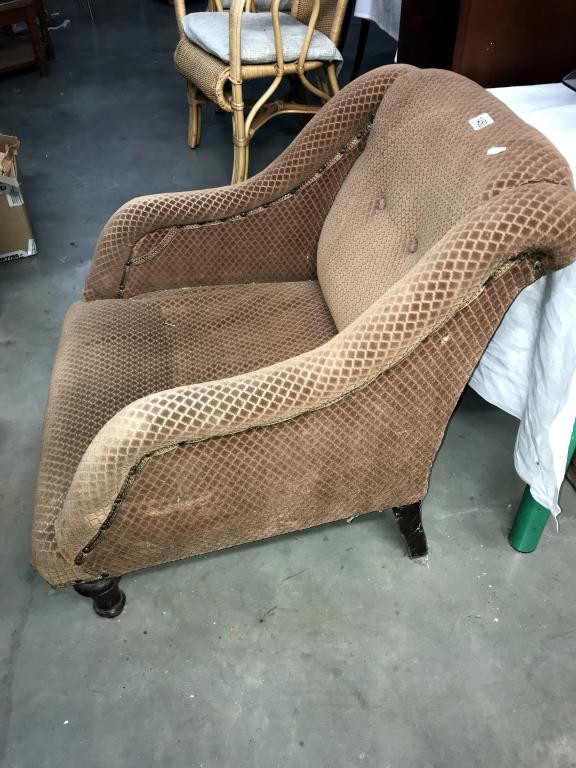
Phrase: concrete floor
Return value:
(325, 649)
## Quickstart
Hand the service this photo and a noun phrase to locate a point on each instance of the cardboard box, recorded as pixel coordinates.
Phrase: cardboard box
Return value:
(16, 237)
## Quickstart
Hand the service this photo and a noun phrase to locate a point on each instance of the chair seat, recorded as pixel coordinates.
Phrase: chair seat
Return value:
(209, 31)
(261, 5)
(114, 351)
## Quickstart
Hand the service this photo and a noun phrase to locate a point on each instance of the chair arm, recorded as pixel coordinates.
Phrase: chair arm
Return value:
(189, 238)
(180, 11)
(235, 44)
(537, 222)
(309, 32)
(235, 32)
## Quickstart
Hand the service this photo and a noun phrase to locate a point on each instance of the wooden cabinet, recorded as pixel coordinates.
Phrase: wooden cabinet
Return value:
(495, 42)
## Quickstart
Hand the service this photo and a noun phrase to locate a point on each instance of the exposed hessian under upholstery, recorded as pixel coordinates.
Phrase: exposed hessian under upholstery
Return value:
(186, 456)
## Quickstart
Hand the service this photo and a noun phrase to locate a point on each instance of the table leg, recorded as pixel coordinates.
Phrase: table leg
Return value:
(345, 26)
(36, 38)
(44, 20)
(362, 40)
(531, 517)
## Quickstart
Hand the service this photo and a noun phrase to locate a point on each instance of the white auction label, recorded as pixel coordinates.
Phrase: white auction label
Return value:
(481, 121)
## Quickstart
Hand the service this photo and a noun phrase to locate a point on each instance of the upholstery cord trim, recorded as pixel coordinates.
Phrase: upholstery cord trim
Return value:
(171, 232)
(528, 254)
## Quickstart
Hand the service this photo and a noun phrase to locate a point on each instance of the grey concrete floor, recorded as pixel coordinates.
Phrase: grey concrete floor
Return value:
(327, 648)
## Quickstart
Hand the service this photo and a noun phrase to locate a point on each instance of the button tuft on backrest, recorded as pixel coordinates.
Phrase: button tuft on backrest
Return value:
(429, 169)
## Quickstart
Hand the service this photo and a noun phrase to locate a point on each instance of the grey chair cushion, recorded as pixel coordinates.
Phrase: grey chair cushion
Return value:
(262, 5)
(210, 32)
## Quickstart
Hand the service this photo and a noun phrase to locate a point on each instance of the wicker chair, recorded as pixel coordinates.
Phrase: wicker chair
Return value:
(260, 358)
(212, 78)
(257, 5)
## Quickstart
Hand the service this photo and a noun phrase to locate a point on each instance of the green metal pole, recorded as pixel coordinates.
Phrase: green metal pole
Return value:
(531, 517)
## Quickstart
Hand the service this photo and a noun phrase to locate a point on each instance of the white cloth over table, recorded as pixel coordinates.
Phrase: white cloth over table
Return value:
(529, 367)
(385, 13)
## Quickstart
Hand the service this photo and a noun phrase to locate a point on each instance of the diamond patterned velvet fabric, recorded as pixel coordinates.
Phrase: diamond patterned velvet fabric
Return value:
(370, 450)
(423, 170)
(113, 352)
(191, 419)
(330, 132)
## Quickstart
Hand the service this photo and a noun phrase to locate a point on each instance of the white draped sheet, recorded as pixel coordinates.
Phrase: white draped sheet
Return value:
(385, 13)
(529, 367)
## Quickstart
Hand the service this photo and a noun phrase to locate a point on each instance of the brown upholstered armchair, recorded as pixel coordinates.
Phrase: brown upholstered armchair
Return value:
(264, 357)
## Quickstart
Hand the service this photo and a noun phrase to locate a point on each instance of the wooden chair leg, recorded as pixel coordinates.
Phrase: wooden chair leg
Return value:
(194, 116)
(240, 137)
(332, 78)
(108, 598)
(409, 519)
(321, 81)
(240, 170)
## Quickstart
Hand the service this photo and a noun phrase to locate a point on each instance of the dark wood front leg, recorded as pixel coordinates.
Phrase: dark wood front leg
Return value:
(409, 519)
(108, 598)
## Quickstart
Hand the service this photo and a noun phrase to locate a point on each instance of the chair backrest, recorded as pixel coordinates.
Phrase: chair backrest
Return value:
(329, 19)
(440, 148)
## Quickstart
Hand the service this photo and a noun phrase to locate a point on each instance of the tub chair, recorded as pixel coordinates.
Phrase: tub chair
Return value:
(260, 358)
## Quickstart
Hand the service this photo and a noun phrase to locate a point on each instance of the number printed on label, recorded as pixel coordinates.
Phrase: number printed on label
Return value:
(481, 121)
(14, 197)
